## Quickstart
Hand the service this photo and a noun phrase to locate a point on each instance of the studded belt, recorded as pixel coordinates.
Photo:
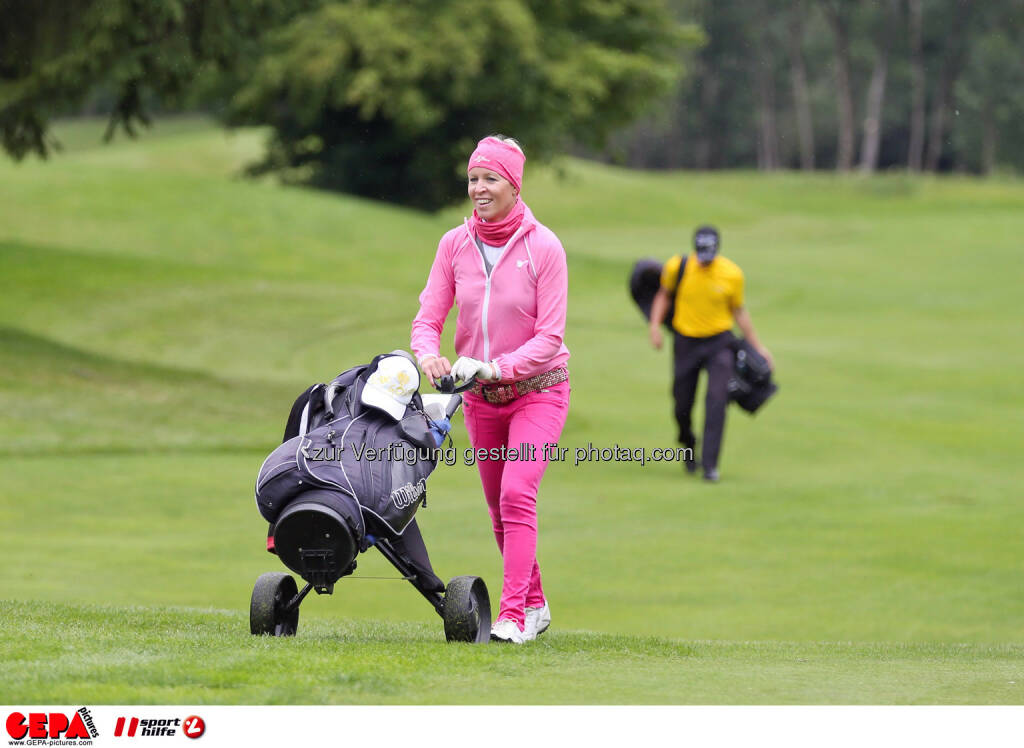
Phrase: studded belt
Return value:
(506, 393)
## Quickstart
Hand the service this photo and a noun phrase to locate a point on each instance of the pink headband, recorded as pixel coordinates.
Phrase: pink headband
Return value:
(501, 158)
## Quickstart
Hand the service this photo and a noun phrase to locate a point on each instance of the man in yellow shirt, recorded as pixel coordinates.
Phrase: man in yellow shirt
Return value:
(708, 299)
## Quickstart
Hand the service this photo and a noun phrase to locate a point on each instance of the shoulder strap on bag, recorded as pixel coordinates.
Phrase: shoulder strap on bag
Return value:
(682, 270)
(670, 314)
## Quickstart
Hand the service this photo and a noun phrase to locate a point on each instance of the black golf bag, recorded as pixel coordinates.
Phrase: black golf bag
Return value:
(351, 475)
(644, 282)
(347, 475)
(751, 383)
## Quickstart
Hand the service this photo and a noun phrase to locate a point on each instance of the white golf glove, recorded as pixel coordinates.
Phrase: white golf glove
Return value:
(467, 368)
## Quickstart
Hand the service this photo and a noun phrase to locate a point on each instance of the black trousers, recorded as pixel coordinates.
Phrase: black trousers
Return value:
(689, 357)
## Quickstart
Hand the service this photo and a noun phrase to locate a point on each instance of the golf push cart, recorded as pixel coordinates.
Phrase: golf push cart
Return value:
(342, 482)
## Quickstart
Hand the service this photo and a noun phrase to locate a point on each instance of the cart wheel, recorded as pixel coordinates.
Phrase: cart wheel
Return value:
(267, 614)
(467, 611)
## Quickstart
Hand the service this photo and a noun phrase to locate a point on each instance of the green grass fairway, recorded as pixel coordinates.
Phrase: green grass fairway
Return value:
(174, 655)
(159, 313)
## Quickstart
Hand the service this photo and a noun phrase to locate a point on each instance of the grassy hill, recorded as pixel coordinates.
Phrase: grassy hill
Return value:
(158, 314)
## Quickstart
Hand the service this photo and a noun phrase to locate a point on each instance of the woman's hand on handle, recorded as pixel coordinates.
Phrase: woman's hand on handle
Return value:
(435, 367)
(467, 368)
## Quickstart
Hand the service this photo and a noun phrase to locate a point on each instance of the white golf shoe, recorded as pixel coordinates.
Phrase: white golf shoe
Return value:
(537, 621)
(507, 631)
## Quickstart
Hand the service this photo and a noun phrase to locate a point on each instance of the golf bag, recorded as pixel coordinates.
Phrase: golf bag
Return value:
(353, 466)
(751, 383)
(644, 282)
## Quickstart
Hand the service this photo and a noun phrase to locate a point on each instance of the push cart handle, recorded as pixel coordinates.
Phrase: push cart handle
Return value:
(446, 385)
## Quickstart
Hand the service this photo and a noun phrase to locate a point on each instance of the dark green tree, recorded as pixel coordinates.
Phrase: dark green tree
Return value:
(951, 42)
(53, 53)
(990, 94)
(385, 99)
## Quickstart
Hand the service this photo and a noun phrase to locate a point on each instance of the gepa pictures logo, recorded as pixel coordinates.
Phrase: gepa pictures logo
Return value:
(57, 727)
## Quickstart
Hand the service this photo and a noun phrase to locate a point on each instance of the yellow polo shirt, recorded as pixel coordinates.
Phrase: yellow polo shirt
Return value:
(707, 296)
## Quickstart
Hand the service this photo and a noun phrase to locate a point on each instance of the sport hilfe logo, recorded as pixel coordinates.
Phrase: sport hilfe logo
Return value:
(150, 727)
(52, 725)
(191, 727)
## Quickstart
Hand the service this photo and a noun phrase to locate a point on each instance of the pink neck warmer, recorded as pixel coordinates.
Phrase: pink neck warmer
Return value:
(497, 233)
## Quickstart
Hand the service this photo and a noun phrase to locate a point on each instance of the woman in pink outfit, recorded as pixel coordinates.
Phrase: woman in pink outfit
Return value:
(507, 274)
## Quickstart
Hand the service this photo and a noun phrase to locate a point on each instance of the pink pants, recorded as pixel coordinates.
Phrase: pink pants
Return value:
(510, 485)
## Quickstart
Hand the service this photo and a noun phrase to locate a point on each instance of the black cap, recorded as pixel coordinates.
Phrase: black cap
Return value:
(705, 242)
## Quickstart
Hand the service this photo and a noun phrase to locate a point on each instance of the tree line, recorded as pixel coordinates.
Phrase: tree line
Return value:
(383, 98)
(922, 85)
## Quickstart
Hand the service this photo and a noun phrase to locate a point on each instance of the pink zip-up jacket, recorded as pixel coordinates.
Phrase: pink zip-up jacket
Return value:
(515, 317)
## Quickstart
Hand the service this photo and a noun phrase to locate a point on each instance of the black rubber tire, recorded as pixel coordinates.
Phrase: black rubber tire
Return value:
(267, 613)
(467, 611)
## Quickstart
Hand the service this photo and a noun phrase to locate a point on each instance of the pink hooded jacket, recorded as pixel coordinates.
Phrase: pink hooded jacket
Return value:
(515, 317)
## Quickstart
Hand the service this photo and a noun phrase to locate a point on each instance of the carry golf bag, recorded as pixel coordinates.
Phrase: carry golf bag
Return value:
(345, 475)
(751, 383)
(644, 282)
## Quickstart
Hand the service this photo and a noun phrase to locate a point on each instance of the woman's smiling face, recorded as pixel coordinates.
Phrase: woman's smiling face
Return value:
(493, 196)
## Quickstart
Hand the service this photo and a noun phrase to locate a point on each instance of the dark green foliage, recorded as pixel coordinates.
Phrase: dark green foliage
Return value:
(386, 99)
(962, 110)
(53, 53)
(990, 93)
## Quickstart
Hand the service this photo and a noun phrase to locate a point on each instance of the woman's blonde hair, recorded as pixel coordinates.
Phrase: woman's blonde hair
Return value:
(510, 141)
